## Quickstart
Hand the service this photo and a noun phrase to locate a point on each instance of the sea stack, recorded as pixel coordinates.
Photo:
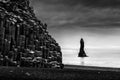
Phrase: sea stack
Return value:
(82, 51)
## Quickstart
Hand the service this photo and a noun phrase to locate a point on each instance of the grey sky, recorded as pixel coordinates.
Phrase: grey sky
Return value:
(90, 19)
(77, 12)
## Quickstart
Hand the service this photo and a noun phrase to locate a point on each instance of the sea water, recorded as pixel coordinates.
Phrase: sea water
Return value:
(96, 57)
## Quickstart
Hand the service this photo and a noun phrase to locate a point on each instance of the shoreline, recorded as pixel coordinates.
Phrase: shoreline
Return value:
(70, 72)
(92, 67)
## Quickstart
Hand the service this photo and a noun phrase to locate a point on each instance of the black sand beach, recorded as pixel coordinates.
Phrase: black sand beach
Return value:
(70, 72)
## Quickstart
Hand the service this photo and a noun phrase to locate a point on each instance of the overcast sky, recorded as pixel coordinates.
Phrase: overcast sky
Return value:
(97, 21)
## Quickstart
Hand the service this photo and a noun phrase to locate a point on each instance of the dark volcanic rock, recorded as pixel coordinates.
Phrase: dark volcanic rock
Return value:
(24, 40)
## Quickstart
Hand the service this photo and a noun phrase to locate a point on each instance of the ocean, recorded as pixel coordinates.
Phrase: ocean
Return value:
(96, 57)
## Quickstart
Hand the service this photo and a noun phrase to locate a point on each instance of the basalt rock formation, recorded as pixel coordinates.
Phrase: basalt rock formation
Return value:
(24, 40)
(82, 51)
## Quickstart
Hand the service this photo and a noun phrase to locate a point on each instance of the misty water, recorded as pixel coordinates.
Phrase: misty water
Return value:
(97, 57)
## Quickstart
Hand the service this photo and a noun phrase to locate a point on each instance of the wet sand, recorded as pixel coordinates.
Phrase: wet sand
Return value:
(80, 67)
(70, 72)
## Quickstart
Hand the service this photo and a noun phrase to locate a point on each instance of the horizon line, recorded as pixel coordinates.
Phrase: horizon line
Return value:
(112, 47)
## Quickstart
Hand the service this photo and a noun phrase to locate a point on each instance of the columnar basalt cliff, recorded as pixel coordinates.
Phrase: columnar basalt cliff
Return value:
(24, 40)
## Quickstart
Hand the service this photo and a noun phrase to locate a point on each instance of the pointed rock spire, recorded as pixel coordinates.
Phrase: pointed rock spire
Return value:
(82, 51)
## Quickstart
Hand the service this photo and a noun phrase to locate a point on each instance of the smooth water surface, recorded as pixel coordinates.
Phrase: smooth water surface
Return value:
(96, 57)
